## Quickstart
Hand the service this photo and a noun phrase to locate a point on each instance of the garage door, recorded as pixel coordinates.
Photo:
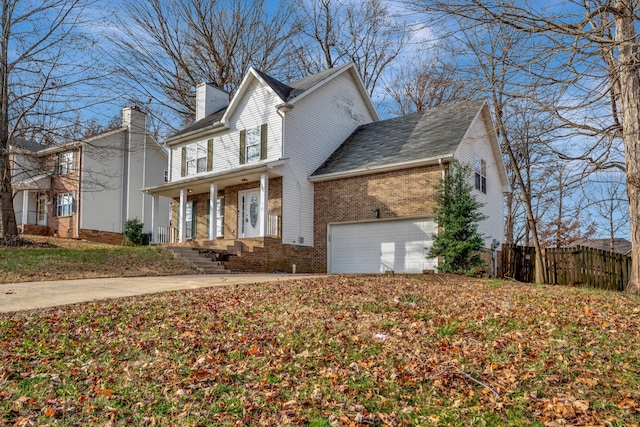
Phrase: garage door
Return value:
(376, 247)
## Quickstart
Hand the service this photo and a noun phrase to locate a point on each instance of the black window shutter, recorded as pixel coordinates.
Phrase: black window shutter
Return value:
(210, 155)
(263, 141)
(243, 146)
(73, 203)
(183, 171)
(194, 218)
(55, 205)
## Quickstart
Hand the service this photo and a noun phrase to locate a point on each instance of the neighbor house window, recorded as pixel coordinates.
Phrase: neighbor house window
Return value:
(197, 158)
(253, 144)
(63, 204)
(481, 174)
(65, 162)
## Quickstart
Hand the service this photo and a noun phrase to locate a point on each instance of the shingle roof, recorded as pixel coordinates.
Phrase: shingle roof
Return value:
(202, 123)
(27, 144)
(434, 133)
(285, 91)
(620, 245)
(296, 88)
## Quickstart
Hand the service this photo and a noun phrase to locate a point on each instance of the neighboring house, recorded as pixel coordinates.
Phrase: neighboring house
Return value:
(304, 173)
(89, 188)
(620, 245)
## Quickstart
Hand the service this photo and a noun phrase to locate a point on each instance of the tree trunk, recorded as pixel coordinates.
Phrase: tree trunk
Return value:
(630, 107)
(9, 226)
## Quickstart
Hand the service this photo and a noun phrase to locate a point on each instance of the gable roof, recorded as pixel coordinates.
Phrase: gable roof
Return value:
(433, 134)
(290, 92)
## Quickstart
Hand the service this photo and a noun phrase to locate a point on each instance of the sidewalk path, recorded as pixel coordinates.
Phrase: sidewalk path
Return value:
(32, 295)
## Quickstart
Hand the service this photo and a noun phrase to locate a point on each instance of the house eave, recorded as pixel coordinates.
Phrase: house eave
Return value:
(231, 177)
(198, 132)
(382, 168)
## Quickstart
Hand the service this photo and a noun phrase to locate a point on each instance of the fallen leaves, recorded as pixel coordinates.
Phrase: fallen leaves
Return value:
(352, 351)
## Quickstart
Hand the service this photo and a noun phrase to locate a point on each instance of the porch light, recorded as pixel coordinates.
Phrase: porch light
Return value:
(189, 190)
(376, 213)
(244, 180)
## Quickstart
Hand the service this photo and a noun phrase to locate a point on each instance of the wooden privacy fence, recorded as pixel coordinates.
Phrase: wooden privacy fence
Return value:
(518, 262)
(588, 266)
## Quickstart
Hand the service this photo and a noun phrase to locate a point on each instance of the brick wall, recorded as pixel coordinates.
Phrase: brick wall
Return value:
(230, 208)
(396, 194)
(271, 257)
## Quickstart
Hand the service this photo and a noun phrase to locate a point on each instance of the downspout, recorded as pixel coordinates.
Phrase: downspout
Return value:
(79, 198)
(125, 176)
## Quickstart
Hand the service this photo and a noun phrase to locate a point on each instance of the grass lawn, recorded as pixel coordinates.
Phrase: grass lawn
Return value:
(74, 259)
(339, 350)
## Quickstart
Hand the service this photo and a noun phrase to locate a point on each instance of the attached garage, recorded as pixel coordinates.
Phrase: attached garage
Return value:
(379, 246)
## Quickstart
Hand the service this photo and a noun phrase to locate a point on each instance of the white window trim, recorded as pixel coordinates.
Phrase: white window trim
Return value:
(480, 168)
(252, 141)
(66, 162)
(196, 161)
(64, 204)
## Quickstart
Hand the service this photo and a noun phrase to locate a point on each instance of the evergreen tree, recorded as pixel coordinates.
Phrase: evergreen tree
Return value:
(458, 241)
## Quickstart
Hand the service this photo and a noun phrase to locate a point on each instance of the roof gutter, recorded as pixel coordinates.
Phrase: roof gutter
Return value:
(382, 168)
(177, 139)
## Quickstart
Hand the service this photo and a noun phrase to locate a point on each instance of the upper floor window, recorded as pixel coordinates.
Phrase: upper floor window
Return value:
(480, 167)
(63, 204)
(197, 158)
(253, 144)
(65, 162)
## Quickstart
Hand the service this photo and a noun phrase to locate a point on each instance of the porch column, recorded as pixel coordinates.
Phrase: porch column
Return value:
(182, 216)
(155, 204)
(25, 208)
(213, 211)
(264, 204)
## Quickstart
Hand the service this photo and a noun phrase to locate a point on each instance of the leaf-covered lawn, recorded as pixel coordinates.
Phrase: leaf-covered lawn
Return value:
(370, 350)
(88, 261)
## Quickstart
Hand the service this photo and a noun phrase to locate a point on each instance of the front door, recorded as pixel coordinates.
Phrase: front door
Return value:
(42, 210)
(249, 213)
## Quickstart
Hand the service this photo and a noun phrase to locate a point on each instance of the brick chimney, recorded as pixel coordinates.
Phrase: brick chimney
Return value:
(209, 99)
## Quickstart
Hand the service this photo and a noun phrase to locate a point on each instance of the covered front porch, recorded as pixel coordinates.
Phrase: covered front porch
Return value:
(245, 203)
(32, 204)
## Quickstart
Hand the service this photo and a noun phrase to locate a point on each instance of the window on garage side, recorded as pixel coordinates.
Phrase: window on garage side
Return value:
(480, 167)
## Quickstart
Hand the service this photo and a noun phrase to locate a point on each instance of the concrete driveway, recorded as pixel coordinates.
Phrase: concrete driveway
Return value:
(32, 295)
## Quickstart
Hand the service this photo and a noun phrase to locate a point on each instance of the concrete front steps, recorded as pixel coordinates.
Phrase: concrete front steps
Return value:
(198, 257)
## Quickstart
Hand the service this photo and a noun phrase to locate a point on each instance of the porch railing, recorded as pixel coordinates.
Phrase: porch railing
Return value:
(167, 235)
(272, 229)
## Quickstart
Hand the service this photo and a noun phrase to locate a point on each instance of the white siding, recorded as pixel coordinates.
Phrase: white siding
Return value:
(101, 184)
(315, 127)
(478, 143)
(255, 108)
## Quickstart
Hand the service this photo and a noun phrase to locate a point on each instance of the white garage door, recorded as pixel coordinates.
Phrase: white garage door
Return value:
(376, 247)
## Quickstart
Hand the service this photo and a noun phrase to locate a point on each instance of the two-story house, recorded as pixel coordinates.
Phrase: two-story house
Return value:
(278, 175)
(89, 188)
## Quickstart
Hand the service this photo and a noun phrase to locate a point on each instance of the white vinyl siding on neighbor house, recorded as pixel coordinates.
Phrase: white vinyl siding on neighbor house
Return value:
(256, 109)
(476, 145)
(101, 184)
(309, 142)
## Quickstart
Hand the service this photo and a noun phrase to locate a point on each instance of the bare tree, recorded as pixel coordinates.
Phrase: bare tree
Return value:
(41, 59)
(167, 47)
(606, 197)
(422, 84)
(592, 67)
(338, 31)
